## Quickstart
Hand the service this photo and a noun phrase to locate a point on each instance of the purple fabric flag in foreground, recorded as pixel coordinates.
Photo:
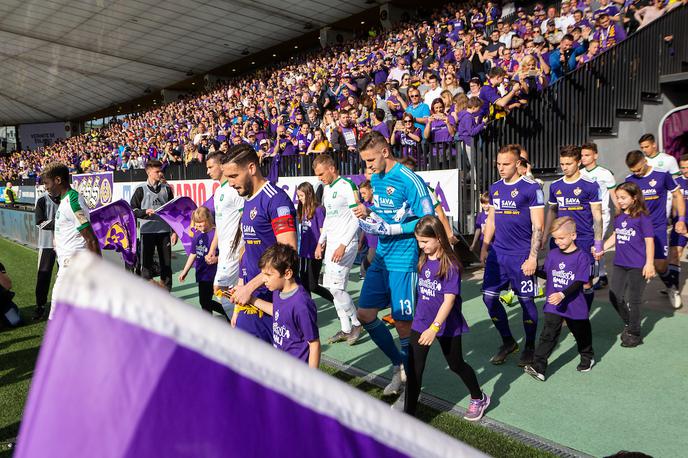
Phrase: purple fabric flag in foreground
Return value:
(115, 228)
(177, 213)
(133, 372)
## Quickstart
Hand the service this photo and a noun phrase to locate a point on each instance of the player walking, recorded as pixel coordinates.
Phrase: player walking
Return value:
(73, 232)
(656, 185)
(227, 205)
(268, 217)
(392, 277)
(579, 198)
(605, 178)
(339, 240)
(513, 234)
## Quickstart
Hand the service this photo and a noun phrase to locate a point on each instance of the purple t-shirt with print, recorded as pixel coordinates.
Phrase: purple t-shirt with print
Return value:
(630, 240)
(310, 233)
(200, 246)
(439, 131)
(294, 322)
(562, 270)
(431, 291)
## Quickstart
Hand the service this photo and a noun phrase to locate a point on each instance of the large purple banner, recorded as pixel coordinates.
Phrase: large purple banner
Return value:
(129, 371)
(96, 188)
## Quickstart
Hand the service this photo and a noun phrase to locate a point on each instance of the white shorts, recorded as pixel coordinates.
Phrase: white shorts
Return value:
(63, 266)
(227, 272)
(336, 274)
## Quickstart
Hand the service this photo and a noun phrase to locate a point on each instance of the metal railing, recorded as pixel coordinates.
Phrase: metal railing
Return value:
(589, 100)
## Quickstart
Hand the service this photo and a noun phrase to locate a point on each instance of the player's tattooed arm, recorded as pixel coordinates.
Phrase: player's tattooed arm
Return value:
(537, 217)
(536, 241)
(596, 210)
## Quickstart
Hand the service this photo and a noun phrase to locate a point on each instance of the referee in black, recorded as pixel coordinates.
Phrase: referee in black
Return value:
(44, 213)
(155, 233)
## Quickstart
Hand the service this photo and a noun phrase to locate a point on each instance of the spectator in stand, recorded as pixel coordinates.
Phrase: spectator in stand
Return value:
(494, 103)
(407, 136)
(608, 33)
(563, 60)
(379, 124)
(532, 79)
(474, 88)
(419, 110)
(319, 144)
(593, 50)
(440, 128)
(345, 136)
(649, 13)
(468, 125)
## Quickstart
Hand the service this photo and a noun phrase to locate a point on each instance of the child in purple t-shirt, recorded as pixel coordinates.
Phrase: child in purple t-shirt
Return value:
(633, 261)
(294, 316)
(438, 315)
(205, 273)
(311, 217)
(567, 269)
(480, 220)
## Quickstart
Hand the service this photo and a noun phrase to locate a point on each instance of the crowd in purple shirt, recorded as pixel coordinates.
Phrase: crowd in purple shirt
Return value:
(327, 99)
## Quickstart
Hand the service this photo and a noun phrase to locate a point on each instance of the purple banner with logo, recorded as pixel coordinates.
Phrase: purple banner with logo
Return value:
(131, 371)
(115, 228)
(96, 188)
(177, 213)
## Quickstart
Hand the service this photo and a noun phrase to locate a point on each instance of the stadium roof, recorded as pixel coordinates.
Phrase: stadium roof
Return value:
(61, 59)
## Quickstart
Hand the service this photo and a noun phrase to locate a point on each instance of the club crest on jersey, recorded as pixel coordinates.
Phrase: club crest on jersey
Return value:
(252, 214)
(576, 191)
(624, 224)
(276, 315)
(390, 190)
(427, 273)
(653, 182)
(222, 197)
(562, 266)
(514, 193)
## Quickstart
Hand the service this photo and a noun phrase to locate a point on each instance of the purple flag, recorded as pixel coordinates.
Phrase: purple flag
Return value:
(115, 227)
(177, 213)
(210, 205)
(135, 372)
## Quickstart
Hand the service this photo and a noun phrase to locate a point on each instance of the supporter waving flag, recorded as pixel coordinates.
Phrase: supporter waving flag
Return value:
(115, 227)
(177, 213)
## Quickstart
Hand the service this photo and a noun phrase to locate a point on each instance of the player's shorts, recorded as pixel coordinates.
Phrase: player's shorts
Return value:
(227, 272)
(502, 270)
(676, 239)
(256, 325)
(661, 243)
(336, 274)
(63, 266)
(382, 288)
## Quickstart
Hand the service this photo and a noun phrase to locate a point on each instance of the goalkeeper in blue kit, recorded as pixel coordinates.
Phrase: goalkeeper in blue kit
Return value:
(400, 198)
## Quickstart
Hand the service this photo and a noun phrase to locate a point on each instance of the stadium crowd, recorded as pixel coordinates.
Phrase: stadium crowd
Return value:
(413, 84)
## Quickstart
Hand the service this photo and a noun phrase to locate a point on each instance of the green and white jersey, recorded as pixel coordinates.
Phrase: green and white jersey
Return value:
(71, 217)
(228, 205)
(605, 179)
(664, 162)
(341, 225)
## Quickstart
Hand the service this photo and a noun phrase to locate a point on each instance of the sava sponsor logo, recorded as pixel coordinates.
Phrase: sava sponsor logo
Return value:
(568, 201)
(381, 201)
(248, 230)
(503, 204)
(649, 192)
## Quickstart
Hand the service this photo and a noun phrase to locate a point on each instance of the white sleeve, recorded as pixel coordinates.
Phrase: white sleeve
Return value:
(672, 167)
(607, 180)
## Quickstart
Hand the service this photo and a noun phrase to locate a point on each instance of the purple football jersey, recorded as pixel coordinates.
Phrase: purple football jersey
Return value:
(310, 233)
(268, 213)
(294, 322)
(574, 199)
(512, 204)
(431, 291)
(655, 186)
(563, 269)
(630, 240)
